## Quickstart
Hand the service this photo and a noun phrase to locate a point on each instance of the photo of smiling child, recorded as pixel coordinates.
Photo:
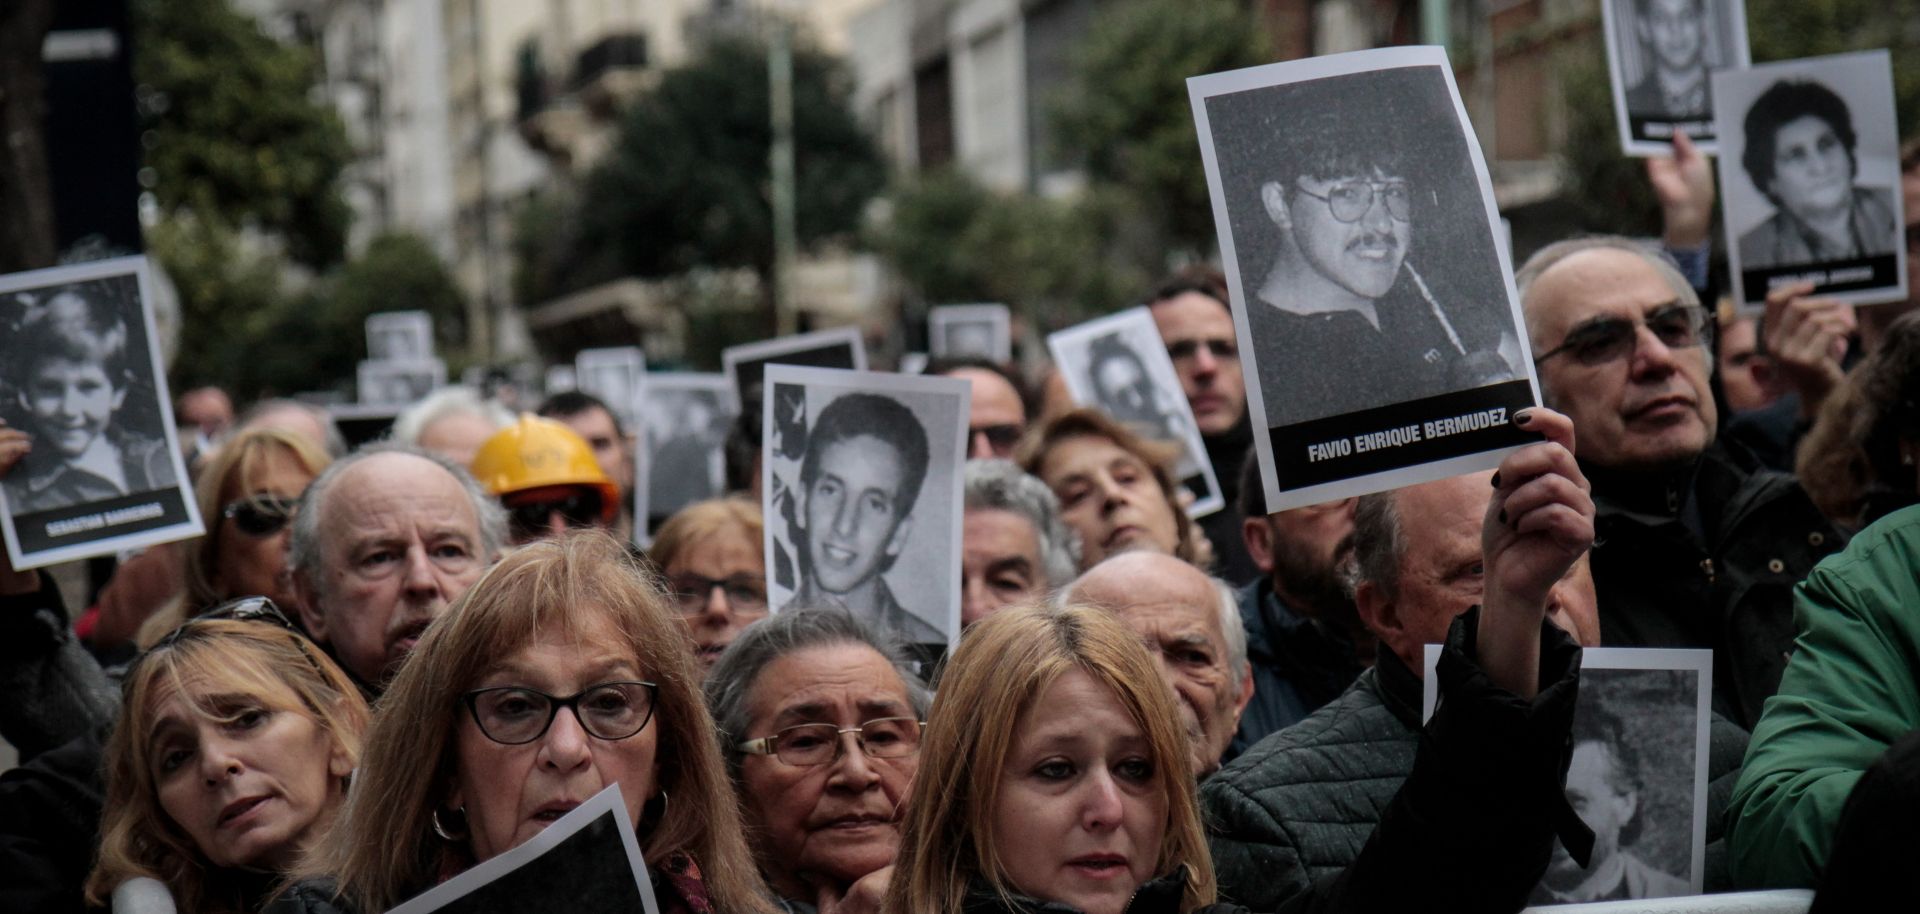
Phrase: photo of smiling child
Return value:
(82, 380)
(862, 495)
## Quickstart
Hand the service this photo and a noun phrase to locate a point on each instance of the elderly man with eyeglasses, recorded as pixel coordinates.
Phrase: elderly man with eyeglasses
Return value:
(1700, 546)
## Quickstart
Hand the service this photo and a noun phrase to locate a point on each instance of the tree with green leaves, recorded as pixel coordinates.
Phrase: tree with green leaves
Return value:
(234, 133)
(687, 184)
(1125, 116)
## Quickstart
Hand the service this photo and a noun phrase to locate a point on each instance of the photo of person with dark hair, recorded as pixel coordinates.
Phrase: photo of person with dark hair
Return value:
(1801, 153)
(1122, 387)
(71, 372)
(861, 493)
(1605, 783)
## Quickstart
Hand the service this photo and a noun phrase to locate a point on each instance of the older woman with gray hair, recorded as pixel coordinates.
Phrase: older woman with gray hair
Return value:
(1014, 546)
(820, 727)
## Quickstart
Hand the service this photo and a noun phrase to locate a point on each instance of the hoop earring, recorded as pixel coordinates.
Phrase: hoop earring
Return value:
(442, 831)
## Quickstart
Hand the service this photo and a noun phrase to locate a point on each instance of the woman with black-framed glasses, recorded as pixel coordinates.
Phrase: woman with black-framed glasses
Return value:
(232, 753)
(560, 671)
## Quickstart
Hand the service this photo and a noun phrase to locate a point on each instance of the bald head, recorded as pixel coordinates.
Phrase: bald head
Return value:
(1192, 627)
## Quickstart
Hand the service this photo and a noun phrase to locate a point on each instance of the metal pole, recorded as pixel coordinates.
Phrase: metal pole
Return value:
(780, 78)
(1433, 22)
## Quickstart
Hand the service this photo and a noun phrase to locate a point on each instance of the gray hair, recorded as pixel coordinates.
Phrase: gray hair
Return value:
(303, 547)
(334, 443)
(993, 484)
(1550, 256)
(1233, 629)
(442, 403)
(730, 683)
(1378, 544)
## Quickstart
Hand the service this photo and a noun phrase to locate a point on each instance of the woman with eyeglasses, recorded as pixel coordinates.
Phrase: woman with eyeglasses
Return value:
(231, 754)
(711, 555)
(820, 726)
(558, 673)
(246, 492)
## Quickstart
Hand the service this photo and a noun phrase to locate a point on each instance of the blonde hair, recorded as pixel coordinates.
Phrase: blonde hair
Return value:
(383, 849)
(1088, 422)
(700, 520)
(1002, 666)
(275, 666)
(241, 459)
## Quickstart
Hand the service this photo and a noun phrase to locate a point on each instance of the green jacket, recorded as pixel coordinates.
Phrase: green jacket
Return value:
(1848, 693)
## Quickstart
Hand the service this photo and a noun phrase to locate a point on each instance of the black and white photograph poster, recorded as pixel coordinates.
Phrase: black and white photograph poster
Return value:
(399, 336)
(683, 434)
(80, 373)
(971, 331)
(399, 384)
(861, 489)
(1810, 179)
(1379, 331)
(1662, 55)
(1775, 901)
(587, 860)
(1119, 363)
(745, 365)
(1638, 777)
(614, 374)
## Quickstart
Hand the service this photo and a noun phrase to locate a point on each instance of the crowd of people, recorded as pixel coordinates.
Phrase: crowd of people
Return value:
(352, 687)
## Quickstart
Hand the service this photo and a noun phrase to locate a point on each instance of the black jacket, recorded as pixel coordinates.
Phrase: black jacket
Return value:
(1298, 665)
(49, 814)
(1158, 896)
(1466, 809)
(1708, 559)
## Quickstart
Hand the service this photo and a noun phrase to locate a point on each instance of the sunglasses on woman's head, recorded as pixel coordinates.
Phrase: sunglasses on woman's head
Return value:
(260, 516)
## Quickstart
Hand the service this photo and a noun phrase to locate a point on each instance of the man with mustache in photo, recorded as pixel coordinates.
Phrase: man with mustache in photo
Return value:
(1341, 290)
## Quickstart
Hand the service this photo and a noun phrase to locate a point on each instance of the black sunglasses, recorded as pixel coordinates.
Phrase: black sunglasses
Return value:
(1186, 349)
(1000, 436)
(1599, 341)
(580, 509)
(242, 609)
(260, 516)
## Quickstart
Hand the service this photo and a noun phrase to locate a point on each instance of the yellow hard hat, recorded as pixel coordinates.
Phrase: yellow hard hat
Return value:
(535, 452)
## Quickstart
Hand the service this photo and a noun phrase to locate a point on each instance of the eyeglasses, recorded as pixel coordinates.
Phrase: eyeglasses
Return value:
(1221, 349)
(513, 715)
(579, 509)
(744, 592)
(1598, 341)
(1350, 200)
(260, 516)
(1001, 437)
(806, 745)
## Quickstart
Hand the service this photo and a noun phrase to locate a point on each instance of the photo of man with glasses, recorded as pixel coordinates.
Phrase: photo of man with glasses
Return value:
(1376, 325)
(1351, 211)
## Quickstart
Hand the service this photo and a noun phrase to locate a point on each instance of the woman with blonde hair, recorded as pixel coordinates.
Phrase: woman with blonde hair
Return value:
(246, 493)
(1052, 770)
(559, 672)
(711, 555)
(232, 752)
(1117, 490)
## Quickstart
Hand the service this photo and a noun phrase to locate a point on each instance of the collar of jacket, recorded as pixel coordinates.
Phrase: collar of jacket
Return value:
(1159, 895)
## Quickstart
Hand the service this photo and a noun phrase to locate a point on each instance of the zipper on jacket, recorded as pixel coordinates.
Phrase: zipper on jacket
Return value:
(1706, 565)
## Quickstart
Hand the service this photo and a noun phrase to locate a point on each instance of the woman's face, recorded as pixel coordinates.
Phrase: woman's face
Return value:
(71, 402)
(1081, 809)
(1812, 173)
(1109, 497)
(715, 615)
(251, 788)
(835, 820)
(511, 793)
(243, 563)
